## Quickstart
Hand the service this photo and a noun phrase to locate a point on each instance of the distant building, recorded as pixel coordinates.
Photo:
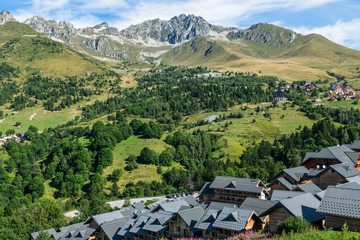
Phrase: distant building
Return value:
(342, 88)
(279, 95)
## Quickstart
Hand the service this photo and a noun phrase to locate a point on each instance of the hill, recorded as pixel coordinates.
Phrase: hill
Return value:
(23, 47)
(190, 40)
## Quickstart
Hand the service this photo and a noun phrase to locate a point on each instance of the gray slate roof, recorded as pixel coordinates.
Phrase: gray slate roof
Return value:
(353, 179)
(351, 185)
(174, 206)
(342, 202)
(286, 183)
(125, 230)
(110, 228)
(308, 187)
(138, 205)
(296, 173)
(82, 233)
(304, 205)
(34, 235)
(237, 184)
(207, 220)
(220, 205)
(158, 221)
(206, 190)
(257, 205)
(106, 217)
(191, 200)
(140, 223)
(336, 152)
(355, 145)
(155, 204)
(233, 219)
(279, 195)
(345, 169)
(192, 216)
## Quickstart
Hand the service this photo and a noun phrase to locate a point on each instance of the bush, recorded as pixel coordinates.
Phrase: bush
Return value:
(293, 224)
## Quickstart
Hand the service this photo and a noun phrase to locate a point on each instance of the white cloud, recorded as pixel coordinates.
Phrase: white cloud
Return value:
(344, 33)
(224, 12)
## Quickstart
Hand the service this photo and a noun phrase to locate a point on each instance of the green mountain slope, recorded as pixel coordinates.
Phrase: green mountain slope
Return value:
(270, 50)
(23, 47)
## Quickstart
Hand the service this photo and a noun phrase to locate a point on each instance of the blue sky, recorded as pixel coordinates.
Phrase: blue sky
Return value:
(338, 20)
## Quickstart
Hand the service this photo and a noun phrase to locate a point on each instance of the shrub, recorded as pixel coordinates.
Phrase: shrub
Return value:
(293, 224)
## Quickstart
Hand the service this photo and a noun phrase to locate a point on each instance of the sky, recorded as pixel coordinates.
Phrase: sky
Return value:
(338, 20)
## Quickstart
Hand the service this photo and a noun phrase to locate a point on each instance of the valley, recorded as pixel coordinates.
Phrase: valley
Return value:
(98, 114)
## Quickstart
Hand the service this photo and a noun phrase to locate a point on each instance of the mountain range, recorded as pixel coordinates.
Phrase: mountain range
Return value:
(191, 40)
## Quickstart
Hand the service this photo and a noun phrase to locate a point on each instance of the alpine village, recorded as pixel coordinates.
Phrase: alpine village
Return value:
(176, 129)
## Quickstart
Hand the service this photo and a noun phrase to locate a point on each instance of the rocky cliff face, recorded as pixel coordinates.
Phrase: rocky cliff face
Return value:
(5, 17)
(266, 33)
(177, 30)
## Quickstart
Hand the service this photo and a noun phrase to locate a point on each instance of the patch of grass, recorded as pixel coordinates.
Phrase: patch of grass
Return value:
(49, 191)
(244, 131)
(133, 146)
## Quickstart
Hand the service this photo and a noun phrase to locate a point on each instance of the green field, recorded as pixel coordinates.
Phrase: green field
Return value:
(244, 131)
(133, 146)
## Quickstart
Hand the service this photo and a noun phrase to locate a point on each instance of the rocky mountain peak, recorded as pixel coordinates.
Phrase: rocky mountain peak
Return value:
(5, 17)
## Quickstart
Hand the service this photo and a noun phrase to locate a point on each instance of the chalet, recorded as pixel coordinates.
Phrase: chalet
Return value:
(330, 156)
(335, 174)
(279, 95)
(226, 222)
(259, 206)
(288, 178)
(108, 230)
(183, 224)
(157, 225)
(304, 205)
(97, 220)
(340, 206)
(232, 190)
(310, 85)
(342, 88)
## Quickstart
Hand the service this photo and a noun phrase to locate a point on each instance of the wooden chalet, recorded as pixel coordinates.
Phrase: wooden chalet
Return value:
(340, 206)
(183, 224)
(303, 205)
(279, 95)
(335, 174)
(232, 190)
(330, 156)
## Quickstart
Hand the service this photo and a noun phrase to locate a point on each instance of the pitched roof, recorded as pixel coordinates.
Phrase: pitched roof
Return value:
(354, 145)
(174, 206)
(237, 184)
(341, 202)
(155, 204)
(351, 185)
(279, 195)
(335, 152)
(138, 205)
(257, 205)
(286, 183)
(192, 216)
(304, 205)
(110, 228)
(206, 190)
(345, 169)
(140, 223)
(308, 187)
(34, 235)
(207, 220)
(191, 200)
(125, 230)
(353, 179)
(233, 219)
(106, 217)
(82, 233)
(296, 173)
(220, 205)
(157, 222)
